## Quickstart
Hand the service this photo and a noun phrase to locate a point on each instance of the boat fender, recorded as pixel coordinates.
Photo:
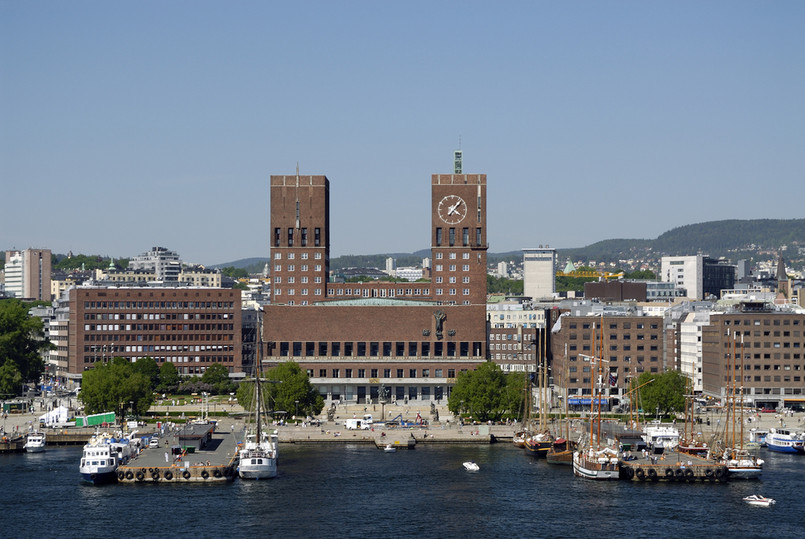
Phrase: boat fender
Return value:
(689, 474)
(186, 474)
(120, 475)
(679, 473)
(719, 473)
(669, 472)
(93, 477)
(652, 474)
(140, 476)
(150, 470)
(129, 475)
(205, 474)
(217, 473)
(708, 473)
(168, 475)
(143, 471)
(155, 475)
(641, 474)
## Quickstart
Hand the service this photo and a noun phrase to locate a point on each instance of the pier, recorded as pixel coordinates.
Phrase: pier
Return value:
(676, 467)
(194, 453)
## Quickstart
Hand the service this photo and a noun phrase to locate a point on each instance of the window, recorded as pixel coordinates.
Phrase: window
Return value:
(348, 373)
(465, 236)
(452, 236)
(317, 237)
(411, 373)
(438, 238)
(290, 237)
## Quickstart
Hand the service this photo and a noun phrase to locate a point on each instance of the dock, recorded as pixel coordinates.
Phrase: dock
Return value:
(673, 467)
(194, 453)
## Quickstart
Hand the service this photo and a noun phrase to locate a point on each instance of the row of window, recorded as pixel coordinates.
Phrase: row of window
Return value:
(764, 322)
(303, 236)
(624, 337)
(158, 337)
(615, 325)
(451, 236)
(159, 327)
(119, 348)
(627, 359)
(380, 349)
(374, 373)
(769, 378)
(452, 256)
(302, 267)
(767, 344)
(158, 316)
(292, 256)
(159, 305)
(451, 267)
(292, 279)
(171, 359)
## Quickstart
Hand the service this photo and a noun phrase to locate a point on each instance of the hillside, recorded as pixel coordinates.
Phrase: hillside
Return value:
(733, 239)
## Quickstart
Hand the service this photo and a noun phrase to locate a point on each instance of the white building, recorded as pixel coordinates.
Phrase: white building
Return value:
(690, 346)
(539, 273)
(685, 272)
(503, 269)
(164, 263)
(27, 274)
(409, 274)
(514, 315)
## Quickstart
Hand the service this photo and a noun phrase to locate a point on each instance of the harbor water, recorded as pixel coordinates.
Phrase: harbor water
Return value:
(356, 490)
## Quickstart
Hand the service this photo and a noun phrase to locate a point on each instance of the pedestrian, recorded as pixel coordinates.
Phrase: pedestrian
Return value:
(166, 456)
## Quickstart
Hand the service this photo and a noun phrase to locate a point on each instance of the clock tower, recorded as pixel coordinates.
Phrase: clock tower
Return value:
(458, 238)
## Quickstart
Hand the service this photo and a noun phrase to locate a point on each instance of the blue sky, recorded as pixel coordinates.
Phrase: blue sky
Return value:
(125, 125)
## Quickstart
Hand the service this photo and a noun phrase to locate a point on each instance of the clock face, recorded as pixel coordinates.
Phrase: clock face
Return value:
(452, 209)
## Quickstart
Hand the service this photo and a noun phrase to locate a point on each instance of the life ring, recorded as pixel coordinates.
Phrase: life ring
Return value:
(205, 474)
(129, 475)
(140, 476)
(652, 474)
(168, 475)
(155, 475)
(689, 474)
(120, 475)
(641, 474)
(217, 473)
(669, 473)
(186, 474)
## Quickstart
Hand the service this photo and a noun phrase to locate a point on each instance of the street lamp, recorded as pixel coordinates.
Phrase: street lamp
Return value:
(297, 409)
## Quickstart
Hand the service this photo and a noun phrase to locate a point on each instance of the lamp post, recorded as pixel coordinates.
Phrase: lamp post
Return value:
(296, 414)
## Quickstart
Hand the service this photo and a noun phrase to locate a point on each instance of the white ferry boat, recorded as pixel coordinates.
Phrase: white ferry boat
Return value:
(101, 457)
(785, 441)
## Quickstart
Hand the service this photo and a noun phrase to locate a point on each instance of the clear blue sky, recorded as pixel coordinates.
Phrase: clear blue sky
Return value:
(125, 125)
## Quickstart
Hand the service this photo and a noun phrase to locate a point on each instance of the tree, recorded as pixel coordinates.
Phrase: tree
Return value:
(217, 376)
(484, 393)
(147, 366)
(666, 393)
(22, 339)
(290, 391)
(113, 386)
(168, 377)
(10, 379)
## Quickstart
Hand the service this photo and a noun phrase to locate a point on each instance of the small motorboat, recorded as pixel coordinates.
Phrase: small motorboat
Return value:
(470, 466)
(390, 449)
(760, 501)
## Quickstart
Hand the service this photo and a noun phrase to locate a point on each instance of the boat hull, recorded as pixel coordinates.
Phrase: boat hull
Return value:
(99, 478)
(591, 469)
(266, 468)
(560, 457)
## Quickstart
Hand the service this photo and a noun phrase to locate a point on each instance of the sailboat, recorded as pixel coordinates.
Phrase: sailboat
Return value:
(594, 461)
(562, 448)
(740, 463)
(258, 456)
(540, 441)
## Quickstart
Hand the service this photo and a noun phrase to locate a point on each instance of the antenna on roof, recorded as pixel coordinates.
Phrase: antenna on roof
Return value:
(458, 158)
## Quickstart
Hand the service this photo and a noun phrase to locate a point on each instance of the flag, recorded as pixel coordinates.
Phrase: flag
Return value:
(613, 378)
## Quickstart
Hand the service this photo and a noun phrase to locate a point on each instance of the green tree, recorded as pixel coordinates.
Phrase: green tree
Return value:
(22, 339)
(289, 385)
(148, 367)
(217, 376)
(666, 393)
(10, 379)
(502, 285)
(483, 393)
(113, 386)
(168, 377)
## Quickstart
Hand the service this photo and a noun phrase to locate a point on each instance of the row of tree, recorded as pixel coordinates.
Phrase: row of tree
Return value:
(22, 343)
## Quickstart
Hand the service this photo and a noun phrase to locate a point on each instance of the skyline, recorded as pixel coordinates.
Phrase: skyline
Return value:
(127, 126)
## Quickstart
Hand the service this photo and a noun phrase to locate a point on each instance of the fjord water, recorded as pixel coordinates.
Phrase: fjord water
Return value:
(359, 491)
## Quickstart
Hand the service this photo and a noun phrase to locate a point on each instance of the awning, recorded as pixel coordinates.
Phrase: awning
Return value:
(587, 400)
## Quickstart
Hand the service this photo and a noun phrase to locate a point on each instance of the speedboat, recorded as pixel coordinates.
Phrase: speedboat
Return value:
(470, 466)
(390, 449)
(760, 501)
(35, 442)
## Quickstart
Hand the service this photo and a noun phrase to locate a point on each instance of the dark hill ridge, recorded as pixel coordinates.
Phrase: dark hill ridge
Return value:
(733, 238)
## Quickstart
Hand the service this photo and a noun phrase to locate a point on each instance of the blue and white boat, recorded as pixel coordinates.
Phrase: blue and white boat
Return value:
(101, 457)
(785, 441)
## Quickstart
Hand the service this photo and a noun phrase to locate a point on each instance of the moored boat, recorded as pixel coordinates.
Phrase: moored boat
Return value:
(785, 441)
(561, 452)
(760, 501)
(35, 442)
(592, 464)
(101, 457)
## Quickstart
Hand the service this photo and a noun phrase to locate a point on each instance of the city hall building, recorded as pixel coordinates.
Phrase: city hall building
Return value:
(360, 342)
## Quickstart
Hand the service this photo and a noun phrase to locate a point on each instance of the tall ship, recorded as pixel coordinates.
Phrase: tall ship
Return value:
(562, 448)
(539, 440)
(258, 455)
(101, 457)
(595, 460)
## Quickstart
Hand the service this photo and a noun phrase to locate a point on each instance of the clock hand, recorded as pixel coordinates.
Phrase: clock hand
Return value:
(454, 208)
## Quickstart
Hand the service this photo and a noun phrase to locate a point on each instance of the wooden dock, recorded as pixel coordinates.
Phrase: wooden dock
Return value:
(673, 467)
